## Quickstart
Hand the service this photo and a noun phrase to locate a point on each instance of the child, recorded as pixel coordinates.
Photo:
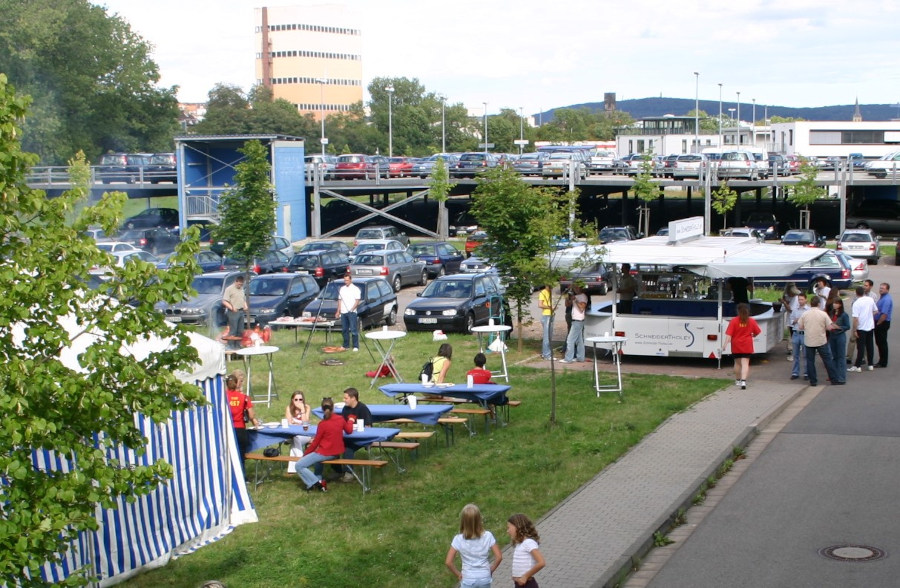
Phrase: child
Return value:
(385, 370)
(479, 374)
(473, 544)
(527, 558)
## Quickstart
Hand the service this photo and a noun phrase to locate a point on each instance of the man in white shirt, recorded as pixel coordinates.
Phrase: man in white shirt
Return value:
(349, 297)
(863, 312)
(798, 349)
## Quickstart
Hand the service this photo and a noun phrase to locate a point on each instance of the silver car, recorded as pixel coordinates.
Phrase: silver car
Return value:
(399, 268)
(862, 243)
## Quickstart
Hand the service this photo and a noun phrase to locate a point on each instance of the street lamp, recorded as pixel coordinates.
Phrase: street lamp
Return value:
(390, 91)
(720, 115)
(443, 126)
(485, 128)
(322, 139)
(739, 116)
(521, 128)
(696, 112)
(753, 126)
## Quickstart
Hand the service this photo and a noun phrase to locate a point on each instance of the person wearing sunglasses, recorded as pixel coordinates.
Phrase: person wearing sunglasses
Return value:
(297, 412)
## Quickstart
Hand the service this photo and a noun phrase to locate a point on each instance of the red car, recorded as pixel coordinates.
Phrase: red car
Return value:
(360, 167)
(474, 240)
(399, 167)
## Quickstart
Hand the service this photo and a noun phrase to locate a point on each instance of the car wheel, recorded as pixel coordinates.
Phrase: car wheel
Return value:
(423, 278)
(604, 289)
(441, 272)
(470, 322)
(396, 283)
(391, 318)
(873, 261)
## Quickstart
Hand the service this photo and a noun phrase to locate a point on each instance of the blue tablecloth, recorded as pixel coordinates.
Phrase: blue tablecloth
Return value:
(427, 414)
(264, 437)
(482, 393)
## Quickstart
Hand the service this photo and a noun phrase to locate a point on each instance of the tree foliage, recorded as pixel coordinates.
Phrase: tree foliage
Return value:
(47, 405)
(439, 187)
(723, 200)
(91, 79)
(645, 189)
(521, 222)
(806, 191)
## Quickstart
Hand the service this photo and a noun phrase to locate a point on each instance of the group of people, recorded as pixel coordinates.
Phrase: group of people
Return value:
(822, 325)
(440, 366)
(475, 545)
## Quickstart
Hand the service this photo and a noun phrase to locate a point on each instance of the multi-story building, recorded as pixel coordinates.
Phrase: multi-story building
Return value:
(310, 56)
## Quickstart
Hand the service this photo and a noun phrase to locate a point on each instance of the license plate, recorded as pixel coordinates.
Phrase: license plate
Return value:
(364, 272)
(427, 321)
(173, 319)
(303, 272)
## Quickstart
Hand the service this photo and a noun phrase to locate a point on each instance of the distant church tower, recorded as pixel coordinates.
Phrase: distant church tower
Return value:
(857, 117)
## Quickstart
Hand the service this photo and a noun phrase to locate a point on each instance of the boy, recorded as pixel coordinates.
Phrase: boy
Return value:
(478, 373)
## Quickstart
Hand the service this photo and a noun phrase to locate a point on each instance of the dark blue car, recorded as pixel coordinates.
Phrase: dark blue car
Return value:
(276, 295)
(440, 257)
(828, 265)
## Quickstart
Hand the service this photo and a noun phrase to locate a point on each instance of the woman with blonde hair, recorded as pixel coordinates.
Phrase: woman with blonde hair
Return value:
(474, 545)
(297, 412)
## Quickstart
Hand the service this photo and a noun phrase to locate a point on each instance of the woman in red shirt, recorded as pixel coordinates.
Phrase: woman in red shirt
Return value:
(327, 444)
(740, 332)
(238, 402)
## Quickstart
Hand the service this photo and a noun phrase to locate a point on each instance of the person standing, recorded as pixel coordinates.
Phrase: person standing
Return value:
(627, 289)
(740, 289)
(349, 297)
(864, 326)
(822, 290)
(527, 557)
(354, 411)
(797, 348)
(837, 339)
(575, 339)
(239, 404)
(545, 303)
(740, 333)
(235, 302)
(474, 545)
(815, 324)
(327, 444)
(885, 307)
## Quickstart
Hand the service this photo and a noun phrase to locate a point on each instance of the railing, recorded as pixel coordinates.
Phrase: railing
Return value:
(48, 176)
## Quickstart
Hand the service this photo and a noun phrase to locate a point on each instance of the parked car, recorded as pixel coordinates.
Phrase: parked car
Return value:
(886, 164)
(690, 165)
(161, 167)
(560, 163)
(116, 246)
(271, 262)
(374, 246)
(477, 265)
(156, 240)
(277, 295)
(860, 243)
(440, 257)
(281, 244)
(744, 232)
(795, 162)
(378, 302)
(400, 167)
(323, 266)
(324, 164)
(424, 167)
(601, 160)
(623, 164)
(669, 164)
(122, 167)
(474, 241)
(205, 225)
(828, 265)
(592, 278)
(120, 258)
(804, 237)
(166, 218)
(381, 232)
(636, 165)
(737, 164)
(779, 165)
(531, 164)
(209, 261)
(859, 267)
(766, 223)
(204, 307)
(399, 268)
(326, 245)
(457, 303)
(356, 166)
(472, 163)
(611, 234)
(882, 216)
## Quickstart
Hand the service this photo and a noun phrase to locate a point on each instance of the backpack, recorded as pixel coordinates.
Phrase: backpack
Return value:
(427, 369)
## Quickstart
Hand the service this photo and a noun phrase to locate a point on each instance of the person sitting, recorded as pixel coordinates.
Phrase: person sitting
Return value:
(479, 374)
(297, 413)
(441, 363)
(354, 411)
(327, 444)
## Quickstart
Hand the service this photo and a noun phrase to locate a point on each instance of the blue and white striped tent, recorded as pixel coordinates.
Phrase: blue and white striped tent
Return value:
(204, 501)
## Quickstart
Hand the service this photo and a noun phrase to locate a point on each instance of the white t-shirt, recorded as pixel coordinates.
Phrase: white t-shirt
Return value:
(522, 560)
(347, 297)
(863, 310)
(474, 554)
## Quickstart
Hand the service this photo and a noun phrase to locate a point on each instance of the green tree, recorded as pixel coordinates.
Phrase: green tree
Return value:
(645, 189)
(91, 79)
(723, 200)
(47, 405)
(521, 222)
(439, 187)
(709, 125)
(806, 191)
(248, 209)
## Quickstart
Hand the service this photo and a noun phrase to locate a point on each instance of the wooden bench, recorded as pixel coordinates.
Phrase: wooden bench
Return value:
(363, 464)
(508, 405)
(475, 412)
(444, 400)
(257, 458)
(396, 447)
(448, 422)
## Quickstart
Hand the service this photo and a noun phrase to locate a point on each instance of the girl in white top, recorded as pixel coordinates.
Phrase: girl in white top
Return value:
(297, 412)
(822, 290)
(527, 558)
(473, 544)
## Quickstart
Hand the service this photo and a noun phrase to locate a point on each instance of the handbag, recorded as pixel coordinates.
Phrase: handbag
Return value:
(271, 452)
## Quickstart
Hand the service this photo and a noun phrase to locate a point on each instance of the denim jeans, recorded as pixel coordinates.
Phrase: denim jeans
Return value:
(837, 343)
(575, 342)
(547, 325)
(798, 350)
(312, 459)
(825, 352)
(476, 583)
(350, 327)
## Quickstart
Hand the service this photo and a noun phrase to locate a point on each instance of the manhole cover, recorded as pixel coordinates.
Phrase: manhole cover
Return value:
(852, 553)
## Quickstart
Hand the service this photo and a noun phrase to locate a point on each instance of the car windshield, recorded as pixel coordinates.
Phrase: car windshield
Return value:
(613, 234)
(856, 238)
(473, 157)
(264, 287)
(421, 250)
(363, 247)
(448, 289)
(207, 285)
(368, 234)
(797, 235)
(369, 259)
(331, 289)
(561, 155)
(305, 261)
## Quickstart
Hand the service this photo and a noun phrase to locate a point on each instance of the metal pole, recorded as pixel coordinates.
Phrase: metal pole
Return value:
(390, 91)
(696, 112)
(754, 122)
(443, 127)
(485, 129)
(720, 116)
(739, 119)
(521, 128)
(322, 114)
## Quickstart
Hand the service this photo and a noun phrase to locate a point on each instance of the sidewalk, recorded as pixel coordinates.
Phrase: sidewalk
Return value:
(592, 536)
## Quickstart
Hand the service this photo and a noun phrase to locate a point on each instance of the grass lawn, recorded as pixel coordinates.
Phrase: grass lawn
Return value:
(398, 534)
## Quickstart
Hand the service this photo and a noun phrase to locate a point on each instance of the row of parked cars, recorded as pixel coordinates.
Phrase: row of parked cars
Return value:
(132, 168)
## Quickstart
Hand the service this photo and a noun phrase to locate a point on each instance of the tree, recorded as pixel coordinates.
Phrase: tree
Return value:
(805, 191)
(645, 189)
(439, 187)
(521, 222)
(78, 414)
(248, 209)
(723, 200)
(708, 125)
(91, 79)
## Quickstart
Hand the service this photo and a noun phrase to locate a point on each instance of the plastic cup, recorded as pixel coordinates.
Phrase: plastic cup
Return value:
(470, 381)
(424, 379)
(384, 328)
(284, 423)
(412, 401)
(306, 425)
(360, 425)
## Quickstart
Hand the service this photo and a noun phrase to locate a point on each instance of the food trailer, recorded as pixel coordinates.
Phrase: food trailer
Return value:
(683, 303)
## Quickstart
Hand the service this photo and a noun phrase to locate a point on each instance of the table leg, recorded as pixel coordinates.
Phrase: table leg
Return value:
(272, 390)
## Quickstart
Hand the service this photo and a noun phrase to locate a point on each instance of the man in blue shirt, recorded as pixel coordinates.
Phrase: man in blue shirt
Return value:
(885, 306)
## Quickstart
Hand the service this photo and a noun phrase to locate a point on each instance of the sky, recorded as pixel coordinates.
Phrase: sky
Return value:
(538, 55)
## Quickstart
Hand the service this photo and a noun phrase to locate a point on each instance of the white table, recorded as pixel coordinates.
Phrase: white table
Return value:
(248, 353)
(500, 331)
(615, 345)
(379, 337)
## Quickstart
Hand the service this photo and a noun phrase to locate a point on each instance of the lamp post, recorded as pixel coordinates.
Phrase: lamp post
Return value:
(696, 112)
(322, 139)
(390, 91)
(443, 126)
(485, 129)
(739, 117)
(753, 126)
(720, 115)
(521, 128)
